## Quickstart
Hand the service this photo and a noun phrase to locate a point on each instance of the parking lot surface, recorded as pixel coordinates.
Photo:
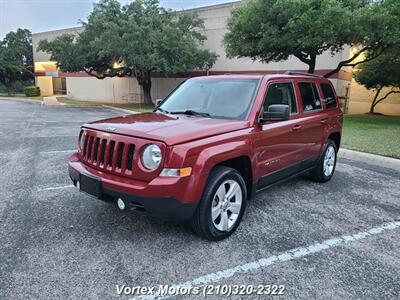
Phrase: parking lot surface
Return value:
(56, 242)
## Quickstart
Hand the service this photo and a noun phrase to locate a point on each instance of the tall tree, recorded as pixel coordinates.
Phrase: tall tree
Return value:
(273, 30)
(133, 40)
(382, 72)
(16, 61)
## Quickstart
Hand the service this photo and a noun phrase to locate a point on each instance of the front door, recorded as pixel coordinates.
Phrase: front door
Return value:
(279, 146)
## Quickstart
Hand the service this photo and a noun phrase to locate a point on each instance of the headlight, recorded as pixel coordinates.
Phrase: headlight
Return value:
(151, 157)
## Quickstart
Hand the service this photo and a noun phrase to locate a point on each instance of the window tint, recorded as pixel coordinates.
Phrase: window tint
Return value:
(329, 95)
(309, 96)
(281, 93)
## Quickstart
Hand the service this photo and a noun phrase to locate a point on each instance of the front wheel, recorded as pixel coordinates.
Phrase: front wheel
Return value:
(327, 163)
(222, 205)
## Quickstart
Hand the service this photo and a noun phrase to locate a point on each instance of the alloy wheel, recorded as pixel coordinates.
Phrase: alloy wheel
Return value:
(329, 161)
(226, 205)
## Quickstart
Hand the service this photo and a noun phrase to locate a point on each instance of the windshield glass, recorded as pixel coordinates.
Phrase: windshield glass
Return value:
(219, 98)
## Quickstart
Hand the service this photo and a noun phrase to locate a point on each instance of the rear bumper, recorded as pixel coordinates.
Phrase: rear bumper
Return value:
(165, 207)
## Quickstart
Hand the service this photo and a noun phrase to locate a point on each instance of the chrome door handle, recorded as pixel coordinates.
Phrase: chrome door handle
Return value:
(323, 121)
(297, 127)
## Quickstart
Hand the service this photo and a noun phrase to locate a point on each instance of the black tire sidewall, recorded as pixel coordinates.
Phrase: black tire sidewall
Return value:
(321, 164)
(219, 177)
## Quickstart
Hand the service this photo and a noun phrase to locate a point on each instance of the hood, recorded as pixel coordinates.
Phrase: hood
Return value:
(170, 129)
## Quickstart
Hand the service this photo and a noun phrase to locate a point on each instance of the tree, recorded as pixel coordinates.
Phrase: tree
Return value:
(16, 61)
(379, 73)
(273, 30)
(133, 40)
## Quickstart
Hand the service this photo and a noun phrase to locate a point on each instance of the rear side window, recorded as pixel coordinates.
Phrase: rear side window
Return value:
(281, 93)
(329, 95)
(309, 96)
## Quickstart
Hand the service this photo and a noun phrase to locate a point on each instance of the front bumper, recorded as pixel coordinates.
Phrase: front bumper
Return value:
(165, 207)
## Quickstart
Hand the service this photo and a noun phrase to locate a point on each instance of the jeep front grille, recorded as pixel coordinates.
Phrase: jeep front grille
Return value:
(108, 154)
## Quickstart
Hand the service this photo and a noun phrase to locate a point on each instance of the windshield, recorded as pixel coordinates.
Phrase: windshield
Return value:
(219, 98)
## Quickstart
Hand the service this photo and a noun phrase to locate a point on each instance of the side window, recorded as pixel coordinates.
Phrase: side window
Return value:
(281, 93)
(329, 95)
(309, 96)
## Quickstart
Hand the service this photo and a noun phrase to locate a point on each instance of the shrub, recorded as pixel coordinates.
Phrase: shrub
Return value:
(32, 91)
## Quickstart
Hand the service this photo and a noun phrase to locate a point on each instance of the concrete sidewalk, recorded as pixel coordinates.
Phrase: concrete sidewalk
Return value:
(51, 101)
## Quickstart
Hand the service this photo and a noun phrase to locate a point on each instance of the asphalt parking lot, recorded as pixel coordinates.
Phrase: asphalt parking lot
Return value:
(56, 242)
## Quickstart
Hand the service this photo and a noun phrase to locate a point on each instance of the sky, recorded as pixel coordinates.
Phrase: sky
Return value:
(45, 15)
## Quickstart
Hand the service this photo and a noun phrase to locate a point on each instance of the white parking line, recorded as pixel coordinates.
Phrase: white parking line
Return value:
(56, 188)
(57, 151)
(282, 257)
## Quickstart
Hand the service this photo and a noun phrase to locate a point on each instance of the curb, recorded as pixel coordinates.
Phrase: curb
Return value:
(122, 109)
(371, 159)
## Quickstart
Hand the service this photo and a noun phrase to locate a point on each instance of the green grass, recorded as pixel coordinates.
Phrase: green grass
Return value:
(132, 107)
(79, 102)
(375, 134)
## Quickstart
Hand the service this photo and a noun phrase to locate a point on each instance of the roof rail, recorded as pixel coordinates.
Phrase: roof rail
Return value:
(303, 74)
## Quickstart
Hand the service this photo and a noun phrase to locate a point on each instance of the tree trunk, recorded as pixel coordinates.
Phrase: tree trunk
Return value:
(8, 85)
(371, 110)
(373, 104)
(144, 80)
(9, 90)
(146, 85)
(311, 64)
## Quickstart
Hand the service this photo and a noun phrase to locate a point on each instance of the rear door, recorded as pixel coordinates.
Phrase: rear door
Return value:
(279, 147)
(313, 119)
(334, 115)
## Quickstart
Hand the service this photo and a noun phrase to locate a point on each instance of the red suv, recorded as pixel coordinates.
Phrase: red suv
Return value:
(210, 146)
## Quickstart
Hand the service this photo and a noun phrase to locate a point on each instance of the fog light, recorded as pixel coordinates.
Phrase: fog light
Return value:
(121, 204)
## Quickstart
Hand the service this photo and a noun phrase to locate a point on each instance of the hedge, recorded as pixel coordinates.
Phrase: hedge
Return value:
(32, 91)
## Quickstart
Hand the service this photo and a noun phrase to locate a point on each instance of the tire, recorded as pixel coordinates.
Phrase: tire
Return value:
(216, 219)
(326, 165)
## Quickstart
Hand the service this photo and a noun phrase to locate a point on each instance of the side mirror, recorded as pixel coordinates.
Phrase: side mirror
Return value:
(158, 102)
(276, 112)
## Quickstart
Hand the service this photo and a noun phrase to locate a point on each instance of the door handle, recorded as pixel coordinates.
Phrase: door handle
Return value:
(297, 127)
(323, 121)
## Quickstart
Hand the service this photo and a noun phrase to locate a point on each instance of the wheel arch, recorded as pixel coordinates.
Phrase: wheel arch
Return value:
(336, 137)
(235, 154)
(243, 165)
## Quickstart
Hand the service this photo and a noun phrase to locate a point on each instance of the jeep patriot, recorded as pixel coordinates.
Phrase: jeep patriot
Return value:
(209, 146)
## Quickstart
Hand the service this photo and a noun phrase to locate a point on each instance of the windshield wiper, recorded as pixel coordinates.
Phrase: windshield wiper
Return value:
(191, 113)
(162, 110)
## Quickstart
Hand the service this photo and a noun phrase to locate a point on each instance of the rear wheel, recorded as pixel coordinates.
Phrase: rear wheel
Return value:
(222, 205)
(326, 164)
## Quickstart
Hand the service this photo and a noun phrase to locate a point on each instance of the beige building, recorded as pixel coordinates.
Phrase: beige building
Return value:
(354, 98)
